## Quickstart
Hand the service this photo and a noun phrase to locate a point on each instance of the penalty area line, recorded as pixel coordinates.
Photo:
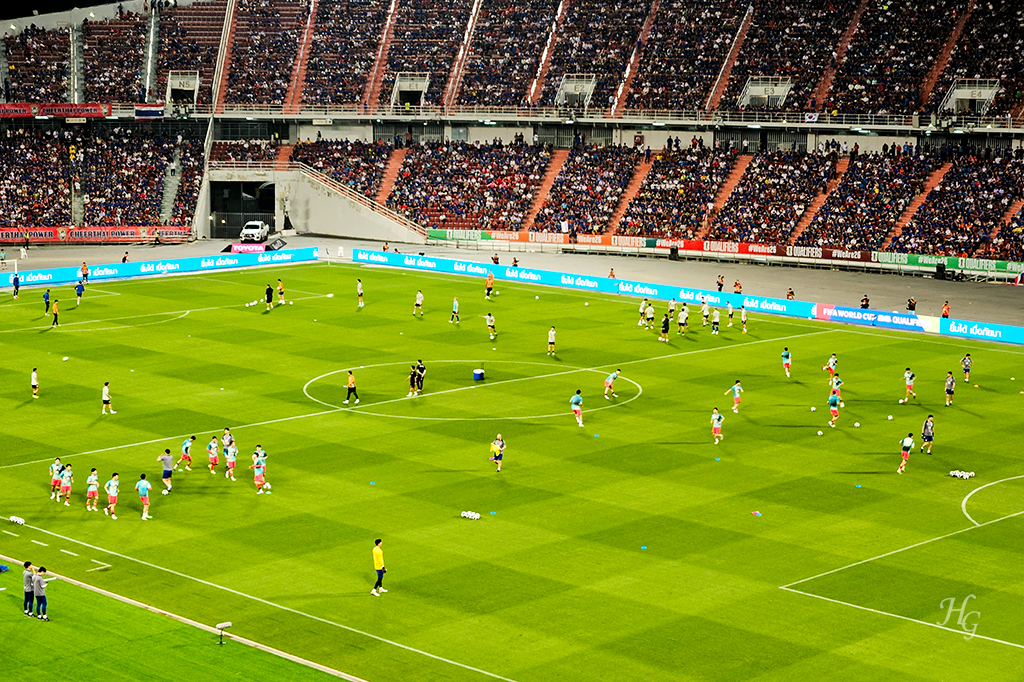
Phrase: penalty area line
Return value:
(201, 626)
(281, 607)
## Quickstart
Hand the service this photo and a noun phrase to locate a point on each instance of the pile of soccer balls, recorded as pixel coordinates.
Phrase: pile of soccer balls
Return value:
(475, 516)
(17, 520)
(962, 474)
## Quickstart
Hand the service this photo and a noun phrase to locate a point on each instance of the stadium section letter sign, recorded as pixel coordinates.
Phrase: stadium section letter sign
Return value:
(161, 267)
(664, 292)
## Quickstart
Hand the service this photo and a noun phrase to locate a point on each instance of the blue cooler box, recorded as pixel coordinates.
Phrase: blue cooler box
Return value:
(478, 375)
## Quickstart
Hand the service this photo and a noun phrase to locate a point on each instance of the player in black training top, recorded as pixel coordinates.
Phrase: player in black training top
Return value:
(421, 371)
(413, 376)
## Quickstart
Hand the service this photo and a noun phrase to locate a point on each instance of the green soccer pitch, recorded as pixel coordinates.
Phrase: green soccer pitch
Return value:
(624, 550)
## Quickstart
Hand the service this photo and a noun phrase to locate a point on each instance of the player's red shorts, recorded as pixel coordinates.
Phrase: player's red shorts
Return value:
(54, 482)
(213, 459)
(577, 410)
(608, 384)
(231, 464)
(834, 411)
(736, 400)
(259, 480)
(906, 455)
(111, 499)
(89, 494)
(65, 489)
(716, 430)
(785, 365)
(910, 386)
(187, 458)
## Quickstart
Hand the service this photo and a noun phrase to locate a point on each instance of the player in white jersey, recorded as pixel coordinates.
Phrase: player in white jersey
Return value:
(743, 318)
(418, 306)
(551, 341)
(359, 291)
(705, 311)
(490, 325)
(684, 319)
(106, 399)
(649, 316)
(831, 365)
(715, 317)
(729, 311)
(92, 491)
(906, 445)
(643, 312)
(908, 379)
(35, 382)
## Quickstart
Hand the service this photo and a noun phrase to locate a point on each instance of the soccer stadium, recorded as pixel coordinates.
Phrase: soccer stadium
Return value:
(563, 340)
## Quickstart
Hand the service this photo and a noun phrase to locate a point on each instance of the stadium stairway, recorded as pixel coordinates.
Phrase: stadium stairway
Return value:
(370, 97)
(545, 63)
(394, 167)
(639, 175)
(825, 84)
(282, 161)
(172, 178)
(943, 58)
(558, 159)
(820, 200)
(293, 98)
(227, 48)
(451, 91)
(931, 183)
(1014, 209)
(76, 88)
(725, 191)
(726, 72)
(634, 63)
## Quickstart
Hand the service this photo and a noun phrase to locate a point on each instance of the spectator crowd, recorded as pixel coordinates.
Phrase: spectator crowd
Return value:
(37, 65)
(587, 190)
(189, 40)
(122, 176)
(267, 35)
(346, 37)
(112, 58)
(35, 178)
(358, 165)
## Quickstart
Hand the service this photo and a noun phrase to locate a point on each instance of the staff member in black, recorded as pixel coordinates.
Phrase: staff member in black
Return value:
(421, 371)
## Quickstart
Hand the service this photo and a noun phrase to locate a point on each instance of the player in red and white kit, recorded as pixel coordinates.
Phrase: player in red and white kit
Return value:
(832, 365)
(213, 453)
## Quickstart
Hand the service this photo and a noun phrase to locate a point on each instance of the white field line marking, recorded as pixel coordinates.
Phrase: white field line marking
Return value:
(104, 291)
(135, 317)
(272, 604)
(10, 533)
(67, 552)
(912, 620)
(40, 543)
(957, 341)
(963, 505)
(98, 568)
(201, 626)
(902, 549)
(324, 412)
(123, 326)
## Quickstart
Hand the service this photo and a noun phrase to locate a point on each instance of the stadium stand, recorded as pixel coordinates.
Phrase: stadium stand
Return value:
(796, 39)
(37, 65)
(462, 186)
(122, 177)
(587, 191)
(678, 193)
(1008, 244)
(266, 37)
(189, 40)
(357, 165)
(892, 53)
(254, 150)
(991, 46)
(864, 208)
(426, 39)
(776, 189)
(683, 54)
(191, 169)
(344, 47)
(597, 36)
(112, 59)
(959, 216)
(35, 179)
(505, 52)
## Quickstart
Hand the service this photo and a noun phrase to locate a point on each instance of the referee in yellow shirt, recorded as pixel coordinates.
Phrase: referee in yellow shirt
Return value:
(378, 565)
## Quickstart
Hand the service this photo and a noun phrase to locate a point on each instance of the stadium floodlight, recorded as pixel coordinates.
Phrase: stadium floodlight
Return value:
(222, 627)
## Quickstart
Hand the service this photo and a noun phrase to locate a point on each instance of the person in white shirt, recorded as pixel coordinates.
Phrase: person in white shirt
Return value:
(705, 310)
(729, 311)
(359, 291)
(35, 382)
(643, 311)
(715, 317)
(418, 307)
(551, 341)
(684, 319)
(106, 399)
(743, 318)
(649, 316)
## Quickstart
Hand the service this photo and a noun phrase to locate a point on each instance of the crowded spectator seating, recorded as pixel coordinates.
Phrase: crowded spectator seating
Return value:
(869, 200)
(189, 40)
(797, 39)
(507, 44)
(457, 185)
(122, 176)
(358, 165)
(426, 39)
(678, 193)
(35, 178)
(773, 194)
(263, 53)
(959, 215)
(888, 59)
(347, 34)
(684, 53)
(37, 64)
(112, 58)
(1009, 243)
(596, 36)
(587, 190)
(991, 46)
(190, 165)
(243, 151)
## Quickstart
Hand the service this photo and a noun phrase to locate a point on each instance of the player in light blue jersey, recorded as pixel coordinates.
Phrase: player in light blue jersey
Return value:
(455, 311)
(787, 359)
(736, 390)
(186, 454)
(576, 402)
(833, 407)
(609, 384)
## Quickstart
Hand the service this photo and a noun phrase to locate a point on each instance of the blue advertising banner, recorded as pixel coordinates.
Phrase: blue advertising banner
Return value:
(981, 330)
(776, 306)
(871, 318)
(99, 273)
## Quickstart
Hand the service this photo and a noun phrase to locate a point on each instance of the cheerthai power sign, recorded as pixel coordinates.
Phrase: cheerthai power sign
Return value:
(55, 276)
(95, 235)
